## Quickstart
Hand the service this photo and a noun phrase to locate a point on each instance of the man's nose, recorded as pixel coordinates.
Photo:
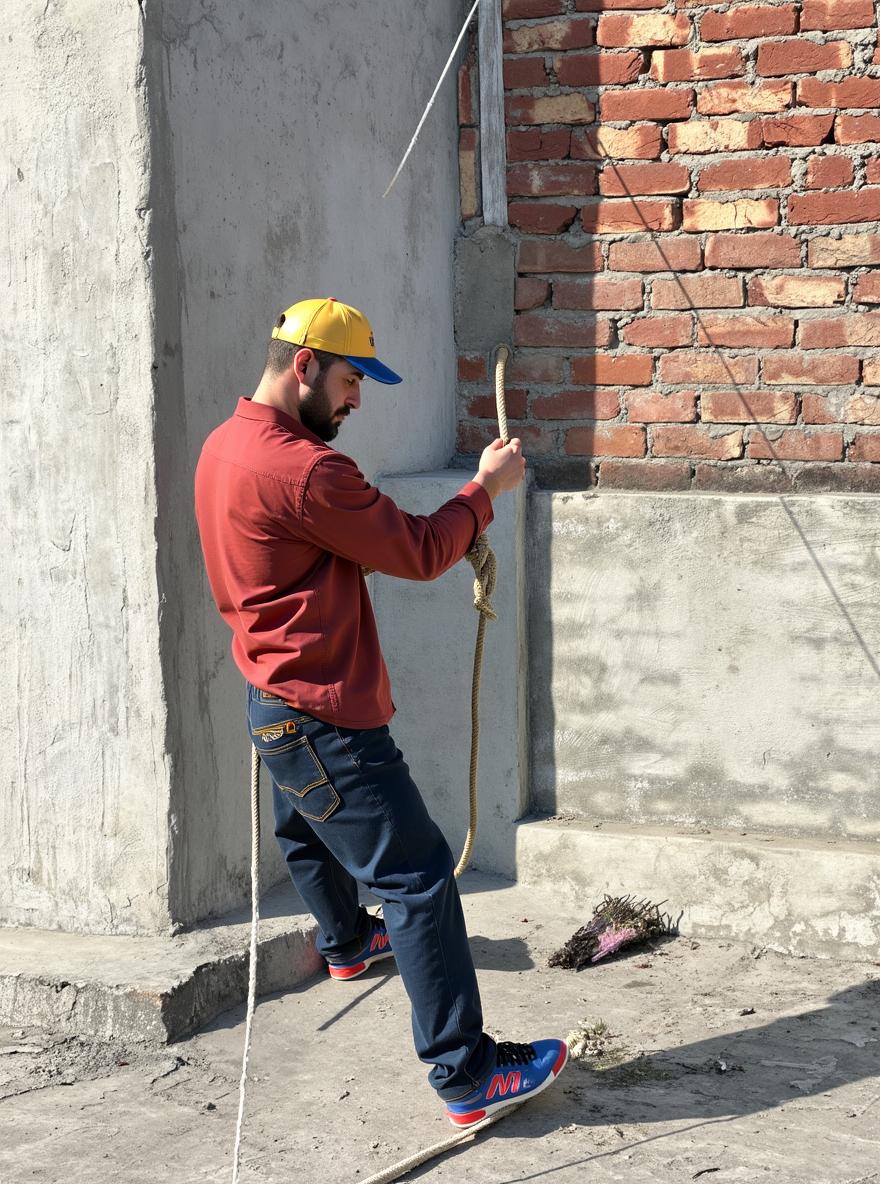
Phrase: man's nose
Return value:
(354, 399)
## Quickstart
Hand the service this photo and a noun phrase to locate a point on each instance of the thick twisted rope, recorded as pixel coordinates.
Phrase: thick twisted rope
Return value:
(482, 559)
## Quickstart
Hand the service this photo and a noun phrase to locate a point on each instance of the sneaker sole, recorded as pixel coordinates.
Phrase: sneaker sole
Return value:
(346, 972)
(475, 1116)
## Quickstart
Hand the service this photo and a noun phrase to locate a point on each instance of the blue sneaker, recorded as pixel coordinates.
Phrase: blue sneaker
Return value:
(376, 947)
(521, 1071)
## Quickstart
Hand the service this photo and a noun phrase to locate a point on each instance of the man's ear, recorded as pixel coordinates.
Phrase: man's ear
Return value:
(301, 360)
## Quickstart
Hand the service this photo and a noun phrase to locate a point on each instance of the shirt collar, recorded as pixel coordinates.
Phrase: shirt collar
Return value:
(248, 409)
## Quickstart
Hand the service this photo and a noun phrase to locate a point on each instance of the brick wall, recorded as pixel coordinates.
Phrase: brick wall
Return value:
(695, 191)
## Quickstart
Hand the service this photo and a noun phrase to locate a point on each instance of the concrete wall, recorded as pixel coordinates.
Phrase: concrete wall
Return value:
(183, 174)
(707, 661)
(84, 776)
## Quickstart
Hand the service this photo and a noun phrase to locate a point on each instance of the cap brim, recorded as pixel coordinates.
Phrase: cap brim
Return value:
(373, 368)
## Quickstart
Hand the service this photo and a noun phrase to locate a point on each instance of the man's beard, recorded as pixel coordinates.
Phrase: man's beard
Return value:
(316, 412)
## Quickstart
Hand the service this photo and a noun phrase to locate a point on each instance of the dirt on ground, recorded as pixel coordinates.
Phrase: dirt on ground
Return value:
(692, 1060)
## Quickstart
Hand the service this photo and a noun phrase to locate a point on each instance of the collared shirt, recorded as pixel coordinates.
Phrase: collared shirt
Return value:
(286, 524)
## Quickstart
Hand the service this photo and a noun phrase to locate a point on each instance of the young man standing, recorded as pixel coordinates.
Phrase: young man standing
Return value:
(288, 525)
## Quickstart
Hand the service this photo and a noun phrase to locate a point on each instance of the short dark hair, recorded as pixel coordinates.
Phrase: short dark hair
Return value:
(280, 355)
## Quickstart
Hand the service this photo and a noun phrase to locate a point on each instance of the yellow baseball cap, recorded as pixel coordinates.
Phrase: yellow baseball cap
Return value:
(336, 328)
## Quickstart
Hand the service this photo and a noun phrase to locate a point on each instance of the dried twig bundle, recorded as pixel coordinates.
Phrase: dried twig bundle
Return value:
(617, 922)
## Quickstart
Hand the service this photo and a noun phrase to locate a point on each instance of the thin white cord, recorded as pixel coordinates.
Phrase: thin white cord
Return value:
(252, 978)
(449, 61)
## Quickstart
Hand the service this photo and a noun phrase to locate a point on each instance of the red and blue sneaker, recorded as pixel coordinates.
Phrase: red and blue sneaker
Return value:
(521, 1071)
(376, 947)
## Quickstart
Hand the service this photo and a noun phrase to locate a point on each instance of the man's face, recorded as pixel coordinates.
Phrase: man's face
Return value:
(333, 395)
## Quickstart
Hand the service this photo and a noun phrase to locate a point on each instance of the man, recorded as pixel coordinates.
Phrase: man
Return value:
(287, 526)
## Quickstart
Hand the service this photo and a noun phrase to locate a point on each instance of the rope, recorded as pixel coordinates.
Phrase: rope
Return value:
(252, 977)
(482, 559)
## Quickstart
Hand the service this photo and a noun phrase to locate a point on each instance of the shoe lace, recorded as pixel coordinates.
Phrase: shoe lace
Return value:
(510, 1053)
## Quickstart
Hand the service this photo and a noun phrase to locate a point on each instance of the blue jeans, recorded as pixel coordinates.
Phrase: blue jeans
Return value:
(347, 811)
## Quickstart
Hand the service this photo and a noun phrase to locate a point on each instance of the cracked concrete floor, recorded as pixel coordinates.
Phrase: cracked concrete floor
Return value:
(717, 1062)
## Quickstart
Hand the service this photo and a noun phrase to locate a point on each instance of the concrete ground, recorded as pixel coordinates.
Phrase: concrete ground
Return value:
(706, 1060)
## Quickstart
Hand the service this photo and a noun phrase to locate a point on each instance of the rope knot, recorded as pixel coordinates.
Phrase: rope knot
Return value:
(481, 557)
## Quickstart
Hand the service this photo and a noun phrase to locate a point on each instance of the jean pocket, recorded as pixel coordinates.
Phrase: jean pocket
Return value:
(297, 771)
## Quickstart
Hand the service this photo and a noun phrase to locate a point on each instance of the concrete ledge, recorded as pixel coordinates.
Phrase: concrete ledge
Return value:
(796, 896)
(151, 988)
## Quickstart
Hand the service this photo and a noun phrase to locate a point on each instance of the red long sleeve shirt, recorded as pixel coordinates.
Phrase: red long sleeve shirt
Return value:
(286, 523)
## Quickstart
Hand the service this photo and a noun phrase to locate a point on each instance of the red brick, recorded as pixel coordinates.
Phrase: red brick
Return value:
(649, 407)
(727, 97)
(801, 56)
(850, 92)
(867, 289)
(828, 172)
(612, 369)
(698, 291)
(641, 141)
(871, 371)
(646, 103)
(748, 172)
(466, 83)
(602, 293)
(872, 171)
(535, 144)
(652, 254)
(696, 442)
(623, 440)
(832, 209)
(741, 214)
(619, 179)
(865, 447)
(748, 407)
(837, 14)
(541, 328)
(795, 131)
(714, 135)
(471, 368)
(862, 408)
(750, 329)
(568, 108)
(821, 409)
(468, 172)
(537, 441)
(752, 250)
(513, 10)
(522, 73)
(850, 250)
(599, 69)
(797, 445)
(651, 29)
(551, 180)
(706, 365)
(644, 474)
(857, 129)
(748, 20)
(660, 332)
(855, 328)
(535, 255)
(564, 33)
(742, 478)
(609, 5)
(784, 368)
(534, 217)
(797, 291)
(581, 404)
(530, 293)
(624, 217)
(686, 65)
(847, 478)
(485, 407)
(528, 368)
